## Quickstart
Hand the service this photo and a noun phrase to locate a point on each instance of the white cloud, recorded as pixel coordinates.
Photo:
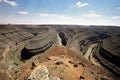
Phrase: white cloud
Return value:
(12, 3)
(23, 12)
(80, 4)
(47, 15)
(46, 18)
(44, 15)
(91, 11)
(115, 20)
(115, 17)
(92, 15)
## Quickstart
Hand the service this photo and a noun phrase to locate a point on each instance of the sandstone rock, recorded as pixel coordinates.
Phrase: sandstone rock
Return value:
(40, 73)
(54, 78)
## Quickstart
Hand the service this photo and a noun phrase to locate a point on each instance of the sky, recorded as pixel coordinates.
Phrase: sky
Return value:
(82, 12)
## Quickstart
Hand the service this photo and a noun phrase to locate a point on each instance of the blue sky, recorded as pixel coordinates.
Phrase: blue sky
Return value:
(83, 12)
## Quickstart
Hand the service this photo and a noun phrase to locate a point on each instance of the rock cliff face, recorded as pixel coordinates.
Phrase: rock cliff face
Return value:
(108, 53)
(59, 52)
(10, 38)
(45, 39)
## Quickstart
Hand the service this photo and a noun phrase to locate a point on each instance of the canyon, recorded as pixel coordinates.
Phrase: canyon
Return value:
(59, 52)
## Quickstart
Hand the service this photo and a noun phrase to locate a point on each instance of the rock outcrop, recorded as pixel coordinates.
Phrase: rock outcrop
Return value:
(41, 73)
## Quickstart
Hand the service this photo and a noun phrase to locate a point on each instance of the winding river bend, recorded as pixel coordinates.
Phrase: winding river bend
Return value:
(59, 40)
(89, 52)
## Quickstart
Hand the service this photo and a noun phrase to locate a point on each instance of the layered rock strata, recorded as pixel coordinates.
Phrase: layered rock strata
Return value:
(11, 38)
(40, 43)
(109, 55)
